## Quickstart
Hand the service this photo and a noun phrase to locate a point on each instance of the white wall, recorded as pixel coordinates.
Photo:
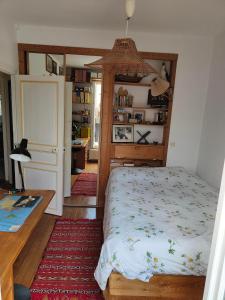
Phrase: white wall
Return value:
(212, 149)
(8, 48)
(191, 80)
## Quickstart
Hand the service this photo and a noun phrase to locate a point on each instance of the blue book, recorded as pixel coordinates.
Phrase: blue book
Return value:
(14, 210)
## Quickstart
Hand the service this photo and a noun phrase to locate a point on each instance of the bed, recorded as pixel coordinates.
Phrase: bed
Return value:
(158, 221)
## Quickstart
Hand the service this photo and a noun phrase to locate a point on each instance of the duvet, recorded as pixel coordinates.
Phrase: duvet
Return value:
(157, 221)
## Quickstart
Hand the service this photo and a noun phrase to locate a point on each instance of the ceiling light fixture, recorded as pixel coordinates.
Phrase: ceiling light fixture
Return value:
(126, 60)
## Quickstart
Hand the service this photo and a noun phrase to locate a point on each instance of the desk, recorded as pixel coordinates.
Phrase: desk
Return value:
(11, 243)
(78, 154)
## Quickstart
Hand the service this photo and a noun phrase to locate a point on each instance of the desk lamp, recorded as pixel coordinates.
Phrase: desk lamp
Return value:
(21, 154)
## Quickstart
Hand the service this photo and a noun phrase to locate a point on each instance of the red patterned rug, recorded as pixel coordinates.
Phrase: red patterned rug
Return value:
(66, 271)
(86, 184)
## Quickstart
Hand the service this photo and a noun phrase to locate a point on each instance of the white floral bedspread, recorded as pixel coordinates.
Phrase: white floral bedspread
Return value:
(157, 220)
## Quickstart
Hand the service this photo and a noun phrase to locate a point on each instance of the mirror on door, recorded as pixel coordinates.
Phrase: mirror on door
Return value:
(45, 64)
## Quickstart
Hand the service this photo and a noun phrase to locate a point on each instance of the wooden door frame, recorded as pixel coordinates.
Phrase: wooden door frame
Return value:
(104, 169)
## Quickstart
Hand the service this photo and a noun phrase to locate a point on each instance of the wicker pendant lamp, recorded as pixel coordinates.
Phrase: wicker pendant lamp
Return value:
(125, 59)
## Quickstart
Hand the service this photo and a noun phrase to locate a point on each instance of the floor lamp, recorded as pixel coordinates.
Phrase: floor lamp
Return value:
(21, 154)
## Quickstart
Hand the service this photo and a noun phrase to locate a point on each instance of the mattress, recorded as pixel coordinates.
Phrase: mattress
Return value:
(157, 221)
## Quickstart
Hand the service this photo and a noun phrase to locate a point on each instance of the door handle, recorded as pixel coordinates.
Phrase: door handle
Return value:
(54, 150)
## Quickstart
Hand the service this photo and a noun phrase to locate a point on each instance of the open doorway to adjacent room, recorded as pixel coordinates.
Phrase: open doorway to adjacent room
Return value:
(84, 89)
(81, 121)
(6, 166)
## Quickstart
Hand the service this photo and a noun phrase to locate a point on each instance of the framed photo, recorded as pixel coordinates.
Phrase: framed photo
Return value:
(119, 117)
(123, 134)
(54, 67)
(61, 71)
(49, 66)
(139, 115)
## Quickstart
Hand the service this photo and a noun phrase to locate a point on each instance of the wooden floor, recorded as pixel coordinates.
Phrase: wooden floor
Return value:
(88, 201)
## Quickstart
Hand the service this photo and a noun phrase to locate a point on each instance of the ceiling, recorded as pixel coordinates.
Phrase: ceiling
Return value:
(196, 17)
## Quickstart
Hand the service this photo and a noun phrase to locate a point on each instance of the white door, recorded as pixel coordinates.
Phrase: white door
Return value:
(67, 139)
(38, 115)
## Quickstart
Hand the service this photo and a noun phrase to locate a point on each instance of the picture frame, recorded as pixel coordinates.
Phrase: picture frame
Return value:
(49, 65)
(61, 70)
(139, 115)
(120, 118)
(123, 134)
(54, 67)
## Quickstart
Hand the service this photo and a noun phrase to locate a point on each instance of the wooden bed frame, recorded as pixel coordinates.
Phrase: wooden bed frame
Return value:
(170, 287)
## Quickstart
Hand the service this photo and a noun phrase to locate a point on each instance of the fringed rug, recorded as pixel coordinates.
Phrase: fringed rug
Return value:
(86, 184)
(66, 271)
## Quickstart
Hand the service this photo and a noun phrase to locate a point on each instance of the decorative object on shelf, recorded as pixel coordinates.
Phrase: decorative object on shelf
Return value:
(160, 117)
(94, 75)
(21, 154)
(132, 120)
(143, 137)
(85, 132)
(157, 101)
(139, 115)
(54, 67)
(83, 95)
(49, 67)
(120, 117)
(123, 134)
(76, 129)
(156, 134)
(81, 76)
(122, 98)
(158, 86)
(135, 78)
(163, 72)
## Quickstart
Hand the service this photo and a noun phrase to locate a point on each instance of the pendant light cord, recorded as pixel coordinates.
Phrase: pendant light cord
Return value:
(127, 26)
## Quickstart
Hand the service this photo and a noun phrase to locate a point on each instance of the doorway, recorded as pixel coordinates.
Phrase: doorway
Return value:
(82, 121)
(85, 96)
(6, 145)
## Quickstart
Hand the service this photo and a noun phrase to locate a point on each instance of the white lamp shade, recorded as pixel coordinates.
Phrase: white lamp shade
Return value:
(130, 7)
(20, 157)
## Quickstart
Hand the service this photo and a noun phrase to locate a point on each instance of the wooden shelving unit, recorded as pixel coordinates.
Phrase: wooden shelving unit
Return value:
(117, 153)
(143, 124)
(156, 152)
(132, 83)
(140, 107)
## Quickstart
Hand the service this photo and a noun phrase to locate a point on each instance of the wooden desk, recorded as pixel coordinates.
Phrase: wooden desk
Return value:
(78, 154)
(11, 243)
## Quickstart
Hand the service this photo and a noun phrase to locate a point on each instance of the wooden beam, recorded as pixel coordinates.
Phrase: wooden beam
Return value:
(106, 132)
(23, 49)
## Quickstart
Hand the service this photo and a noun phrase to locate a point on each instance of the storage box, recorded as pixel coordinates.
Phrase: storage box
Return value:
(85, 132)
